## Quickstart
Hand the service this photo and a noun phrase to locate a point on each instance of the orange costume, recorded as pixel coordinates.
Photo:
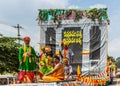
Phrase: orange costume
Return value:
(67, 53)
(58, 75)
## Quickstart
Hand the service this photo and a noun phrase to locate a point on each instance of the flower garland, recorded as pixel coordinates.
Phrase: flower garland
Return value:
(25, 50)
(99, 79)
(65, 14)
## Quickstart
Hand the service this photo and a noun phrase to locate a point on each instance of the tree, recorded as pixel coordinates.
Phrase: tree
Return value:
(111, 58)
(8, 55)
(118, 62)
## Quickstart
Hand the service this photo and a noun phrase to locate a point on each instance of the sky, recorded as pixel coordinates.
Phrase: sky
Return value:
(25, 12)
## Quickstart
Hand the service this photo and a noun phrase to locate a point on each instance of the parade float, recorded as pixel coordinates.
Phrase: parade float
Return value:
(86, 31)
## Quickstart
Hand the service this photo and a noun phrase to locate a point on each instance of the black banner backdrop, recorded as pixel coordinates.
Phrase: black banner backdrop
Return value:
(50, 36)
(74, 36)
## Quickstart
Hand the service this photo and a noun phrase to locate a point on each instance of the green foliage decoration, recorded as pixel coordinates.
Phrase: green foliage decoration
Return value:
(62, 14)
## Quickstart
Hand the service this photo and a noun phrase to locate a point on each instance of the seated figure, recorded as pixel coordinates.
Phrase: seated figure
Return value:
(57, 74)
(46, 62)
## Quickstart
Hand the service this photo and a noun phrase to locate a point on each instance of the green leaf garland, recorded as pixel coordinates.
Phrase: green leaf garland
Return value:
(62, 14)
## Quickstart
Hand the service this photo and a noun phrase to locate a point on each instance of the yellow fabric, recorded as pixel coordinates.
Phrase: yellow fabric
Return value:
(78, 70)
(59, 73)
(48, 61)
(56, 76)
(30, 50)
(50, 78)
(42, 61)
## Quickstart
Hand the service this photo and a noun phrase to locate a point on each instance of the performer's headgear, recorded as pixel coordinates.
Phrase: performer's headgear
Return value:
(26, 38)
(47, 49)
(65, 60)
(65, 43)
(42, 48)
(57, 53)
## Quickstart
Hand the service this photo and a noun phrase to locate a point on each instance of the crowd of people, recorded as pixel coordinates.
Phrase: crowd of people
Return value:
(52, 67)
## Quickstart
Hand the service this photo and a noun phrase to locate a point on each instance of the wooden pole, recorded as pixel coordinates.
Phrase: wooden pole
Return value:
(106, 42)
(40, 33)
(18, 33)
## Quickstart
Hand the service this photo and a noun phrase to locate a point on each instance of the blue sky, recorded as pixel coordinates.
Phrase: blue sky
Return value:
(24, 12)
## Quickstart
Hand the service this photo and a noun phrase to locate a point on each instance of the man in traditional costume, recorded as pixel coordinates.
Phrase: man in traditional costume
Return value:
(26, 61)
(67, 52)
(42, 56)
(46, 62)
(57, 74)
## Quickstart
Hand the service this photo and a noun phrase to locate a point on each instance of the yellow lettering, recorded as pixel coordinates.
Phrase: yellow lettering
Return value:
(73, 36)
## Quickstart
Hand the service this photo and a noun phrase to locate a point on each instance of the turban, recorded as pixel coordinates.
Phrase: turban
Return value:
(65, 43)
(42, 48)
(47, 49)
(27, 38)
(65, 60)
(57, 53)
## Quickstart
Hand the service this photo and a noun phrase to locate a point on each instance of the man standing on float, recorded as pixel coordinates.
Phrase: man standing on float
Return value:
(26, 61)
(67, 52)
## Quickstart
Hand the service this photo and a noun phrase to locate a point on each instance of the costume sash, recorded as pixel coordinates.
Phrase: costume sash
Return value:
(25, 50)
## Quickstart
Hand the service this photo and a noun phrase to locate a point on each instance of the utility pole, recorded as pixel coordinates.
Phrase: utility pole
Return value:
(18, 29)
(40, 33)
(1, 34)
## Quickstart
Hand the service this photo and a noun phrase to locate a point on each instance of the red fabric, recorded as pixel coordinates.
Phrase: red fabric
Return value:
(30, 75)
(21, 76)
(108, 70)
(40, 74)
(40, 56)
(65, 52)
